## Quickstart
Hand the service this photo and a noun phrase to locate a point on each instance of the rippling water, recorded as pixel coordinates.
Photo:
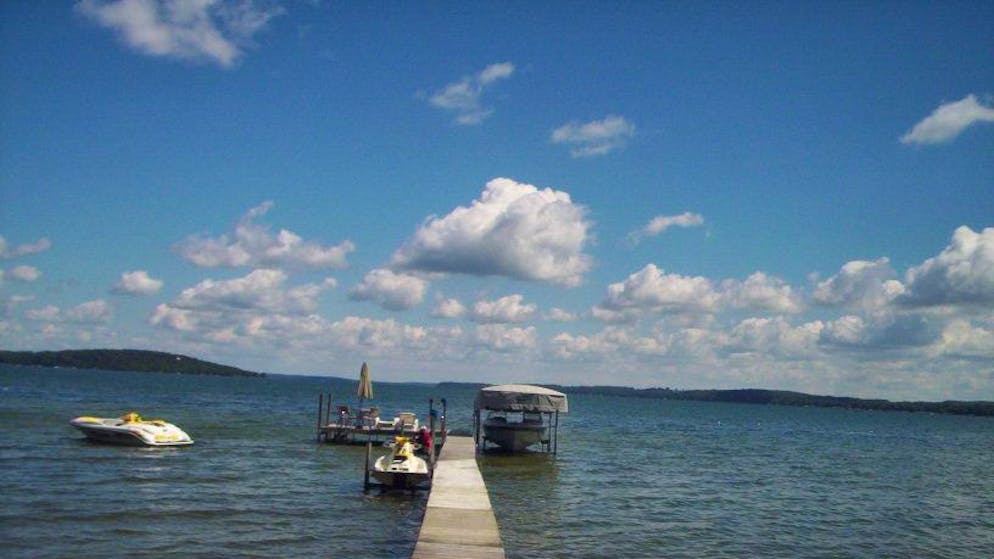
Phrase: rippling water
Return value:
(634, 477)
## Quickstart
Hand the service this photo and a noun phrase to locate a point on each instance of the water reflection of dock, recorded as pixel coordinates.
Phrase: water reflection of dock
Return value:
(459, 521)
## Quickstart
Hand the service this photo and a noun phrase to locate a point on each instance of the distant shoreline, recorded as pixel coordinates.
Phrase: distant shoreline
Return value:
(161, 362)
(780, 398)
(123, 360)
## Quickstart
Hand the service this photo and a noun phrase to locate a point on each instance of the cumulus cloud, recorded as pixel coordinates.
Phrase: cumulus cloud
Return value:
(216, 31)
(251, 244)
(6, 251)
(392, 291)
(261, 289)
(659, 224)
(513, 230)
(654, 291)
(23, 273)
(859, 284)
(48, 313)
(948, 121)
(880, 331)
(762, 292)
(137, 282)
(503, 310)
(90, 312)
(448, 308)
(963, 273)
(961, 339)
(556, 314)
(597, 137)
(606, 343)
(463, 97)
(247, 311)
(503, 338)
(775, 336)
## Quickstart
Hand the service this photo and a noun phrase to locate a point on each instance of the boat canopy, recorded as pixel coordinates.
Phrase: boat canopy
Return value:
(521, 397)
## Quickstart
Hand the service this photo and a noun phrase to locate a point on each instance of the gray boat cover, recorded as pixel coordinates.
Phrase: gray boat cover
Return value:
(521, 397)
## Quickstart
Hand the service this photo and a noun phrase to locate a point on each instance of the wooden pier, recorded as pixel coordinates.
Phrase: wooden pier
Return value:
(459, 522)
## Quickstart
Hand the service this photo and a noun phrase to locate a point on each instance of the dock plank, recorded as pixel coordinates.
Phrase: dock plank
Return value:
(459, 521)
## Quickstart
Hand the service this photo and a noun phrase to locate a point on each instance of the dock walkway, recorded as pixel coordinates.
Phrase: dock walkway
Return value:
(459, 522)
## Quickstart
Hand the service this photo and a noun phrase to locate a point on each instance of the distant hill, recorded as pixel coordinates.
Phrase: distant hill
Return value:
(786, 398)
(122, 360)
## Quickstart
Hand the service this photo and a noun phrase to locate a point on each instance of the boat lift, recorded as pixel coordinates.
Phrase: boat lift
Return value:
(540, 408)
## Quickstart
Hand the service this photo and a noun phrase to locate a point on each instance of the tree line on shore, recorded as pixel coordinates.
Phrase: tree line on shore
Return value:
(788, 398)
(122, 360)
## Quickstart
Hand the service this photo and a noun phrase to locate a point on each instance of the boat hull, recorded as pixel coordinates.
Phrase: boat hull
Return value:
(515, 437)
(116, 431)
(406, 475)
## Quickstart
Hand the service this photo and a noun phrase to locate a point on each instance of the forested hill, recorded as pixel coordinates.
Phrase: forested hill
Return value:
(786, 398)
(122, 360)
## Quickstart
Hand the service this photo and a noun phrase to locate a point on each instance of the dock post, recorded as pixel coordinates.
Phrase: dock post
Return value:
(555, 436)
(320, 407)
(327, 410)
(445, 410)
(476, 429)
(365, 474)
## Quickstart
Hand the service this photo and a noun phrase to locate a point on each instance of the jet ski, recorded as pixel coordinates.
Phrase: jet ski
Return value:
(401, 469)
(131, 430)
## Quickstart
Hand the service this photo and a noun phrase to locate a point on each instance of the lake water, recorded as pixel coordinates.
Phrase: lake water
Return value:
(633, 478)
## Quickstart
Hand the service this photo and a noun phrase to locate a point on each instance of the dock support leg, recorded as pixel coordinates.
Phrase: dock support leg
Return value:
(320, 407)
(365, 472)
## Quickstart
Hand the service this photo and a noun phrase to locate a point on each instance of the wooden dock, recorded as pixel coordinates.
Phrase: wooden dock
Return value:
(459, 522)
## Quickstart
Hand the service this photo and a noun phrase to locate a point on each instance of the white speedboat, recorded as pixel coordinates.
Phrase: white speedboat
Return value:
(130, 429)
(515, 433)
(401, 469)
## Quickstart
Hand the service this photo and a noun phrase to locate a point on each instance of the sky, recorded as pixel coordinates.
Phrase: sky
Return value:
(782, 195)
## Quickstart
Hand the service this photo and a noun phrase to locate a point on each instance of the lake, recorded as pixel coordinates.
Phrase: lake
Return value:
(633, 478)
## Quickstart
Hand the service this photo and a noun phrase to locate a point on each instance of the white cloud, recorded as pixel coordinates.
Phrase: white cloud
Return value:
(859, 284)
(661, 223)
(880, 331)
(137, 282)
(254, 245)
(963, 273)
(175, 319)
(556, 314)
(762, 292)
(513, 230)
(389, 337)
(961, 339)
(606, 343)
(650, 290)
(503, 338)
(200, 30)
(448, 308)
(6, 251)
(775, 336)
(90, 311)
(463, 97)
(948, 121)
(598, 137)
(48, 313)
(391, 291)
(23, 273)
(259, 290)
(503, 310)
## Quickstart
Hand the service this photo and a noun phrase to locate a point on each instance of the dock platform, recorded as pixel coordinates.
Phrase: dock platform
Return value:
(459, 521)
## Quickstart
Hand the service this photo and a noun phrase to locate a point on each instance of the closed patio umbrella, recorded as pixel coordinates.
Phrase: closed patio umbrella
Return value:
(365, 391)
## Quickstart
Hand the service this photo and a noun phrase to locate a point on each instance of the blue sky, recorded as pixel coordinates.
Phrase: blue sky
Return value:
(779, 195)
